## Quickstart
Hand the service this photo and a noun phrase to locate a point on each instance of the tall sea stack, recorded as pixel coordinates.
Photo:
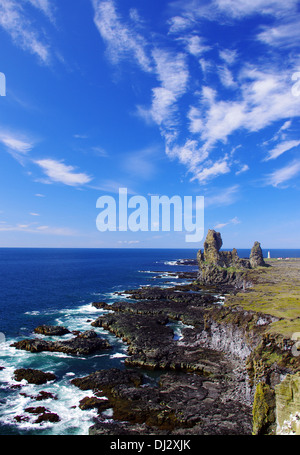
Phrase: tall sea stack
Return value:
(256, 256)
(225, 267)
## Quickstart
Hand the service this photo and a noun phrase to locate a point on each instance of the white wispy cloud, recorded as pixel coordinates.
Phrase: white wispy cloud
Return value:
(23, 31)
(228, 55)
(141, 163)
(190, 154)
(226, 76)
(195, 45)
(44, 5)
(213, 170)
(33, 229)
(190, 11)
(284, 35)
(265, 97)
(172, 72)
(243, 169)
(17, 145)
(59, 172)
(178, 24)
(111, 186)
(281, 148)
(14, 142)
(261, 94)
(233, 221)
(121, 38)
(280, 176)
(223, 197)
(242, 8)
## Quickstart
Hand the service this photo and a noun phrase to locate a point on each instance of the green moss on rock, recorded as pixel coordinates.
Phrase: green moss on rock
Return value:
(263, 409)
(288, 404)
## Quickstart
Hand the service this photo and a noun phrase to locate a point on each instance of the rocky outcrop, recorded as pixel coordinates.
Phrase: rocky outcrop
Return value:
(213, 350)
(105, 380)
(83, 344)
(187, 403)
(33, 376)
(256, 256)
(228, 347)
(51, 330)
(212, 246)
(225, 267)
(94, 402)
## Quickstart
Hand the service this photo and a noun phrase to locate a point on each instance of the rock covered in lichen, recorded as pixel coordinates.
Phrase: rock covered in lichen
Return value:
(225, 267)
(212, 246)
(256, 256)
(288, 405)
(264, 409)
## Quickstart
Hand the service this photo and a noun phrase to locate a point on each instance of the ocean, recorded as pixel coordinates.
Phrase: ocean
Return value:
(57, 287)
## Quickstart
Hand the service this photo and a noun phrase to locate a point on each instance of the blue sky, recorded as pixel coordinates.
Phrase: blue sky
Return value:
(160, 97)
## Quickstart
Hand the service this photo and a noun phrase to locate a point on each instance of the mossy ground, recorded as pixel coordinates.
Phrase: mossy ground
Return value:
(276, 291)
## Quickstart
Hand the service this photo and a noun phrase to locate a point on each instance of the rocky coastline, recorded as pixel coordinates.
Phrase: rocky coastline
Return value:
(198, 362)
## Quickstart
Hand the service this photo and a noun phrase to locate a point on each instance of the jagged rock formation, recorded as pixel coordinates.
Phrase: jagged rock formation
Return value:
(256, 256)
(33, 376)
(225, 267)
(83, 344)
(51, 330)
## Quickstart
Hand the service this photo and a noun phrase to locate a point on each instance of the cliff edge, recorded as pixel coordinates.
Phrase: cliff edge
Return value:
(259, 323)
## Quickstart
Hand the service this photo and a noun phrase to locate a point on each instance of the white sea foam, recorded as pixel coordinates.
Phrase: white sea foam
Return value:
(147, 271)
(118, 355)
(108, 413)
(14, 401)
(72, 418)
(170, 262)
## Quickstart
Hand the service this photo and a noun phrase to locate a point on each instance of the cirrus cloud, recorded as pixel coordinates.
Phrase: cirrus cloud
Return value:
(59, 172)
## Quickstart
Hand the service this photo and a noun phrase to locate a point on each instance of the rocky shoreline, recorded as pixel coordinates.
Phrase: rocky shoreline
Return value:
(195, 364)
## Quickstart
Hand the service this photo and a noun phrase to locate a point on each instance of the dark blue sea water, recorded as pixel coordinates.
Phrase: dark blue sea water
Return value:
(57, 286)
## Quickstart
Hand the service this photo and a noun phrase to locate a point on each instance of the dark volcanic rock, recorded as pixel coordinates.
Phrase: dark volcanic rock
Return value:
(180, 404)
(51, 330)
(144, 325)
(83, 344)
(173, 294)
(100, 305)
(107, 379)
(20, 418)
(93, 402)
(123, 428)
(225, 267)
(47, 417)
(212, 245)
(45, 396)
(33, 376)
(44, 415)
(37, 410)
(41, 396)
(256, 256)
(152, 344)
